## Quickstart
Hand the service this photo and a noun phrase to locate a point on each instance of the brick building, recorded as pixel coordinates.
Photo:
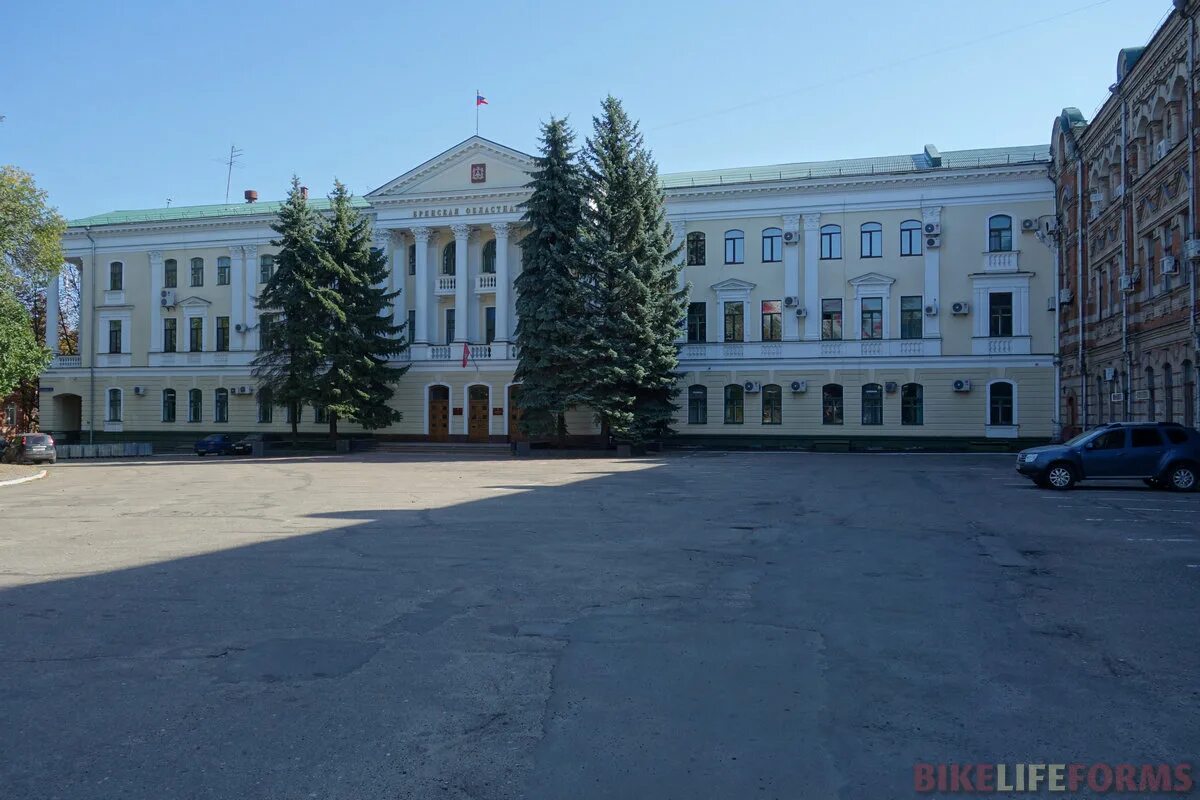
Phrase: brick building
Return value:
(1126, 238)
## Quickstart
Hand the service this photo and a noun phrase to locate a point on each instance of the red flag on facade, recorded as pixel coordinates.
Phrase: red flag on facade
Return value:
(466, 353)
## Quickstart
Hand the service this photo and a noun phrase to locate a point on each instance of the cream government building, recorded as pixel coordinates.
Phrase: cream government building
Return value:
(878, 299)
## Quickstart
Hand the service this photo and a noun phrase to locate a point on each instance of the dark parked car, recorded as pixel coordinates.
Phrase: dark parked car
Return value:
(218, 443)
(245, 447)
(29, 448)
(1162, 454)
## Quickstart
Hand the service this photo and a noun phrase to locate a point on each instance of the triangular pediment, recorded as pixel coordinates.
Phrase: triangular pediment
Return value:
(194, 301)
(871, 279)
(472, 166)
(733, 285)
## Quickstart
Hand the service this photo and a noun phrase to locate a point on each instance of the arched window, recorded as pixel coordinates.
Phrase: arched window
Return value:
(734, 404)
(114, 405)
(772, 245)
(449, 257)
(197, 272)
(224, 265)
(266, 268)
(1002, 397)
(831, 242)
(195, 405)
(170, 273)
(910, 237)
(870, 240)
(320, 415)
(695, 249)
(872, 404)
(772, 404)
(735, 247)
(168, 405)
(912, 404)
(1000, 234)
(266, 406)
(116, 276)
(1150, 408)
(489, 257)
(412, 259)
(221, 406)
(831, 404)
(697, 405)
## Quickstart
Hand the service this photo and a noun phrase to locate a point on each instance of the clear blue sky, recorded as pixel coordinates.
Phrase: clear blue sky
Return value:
(117, 106)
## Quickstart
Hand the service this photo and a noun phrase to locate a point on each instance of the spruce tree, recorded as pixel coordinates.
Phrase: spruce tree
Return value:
(549, 301)
(357, 380)
(630, 279)
(293, 328)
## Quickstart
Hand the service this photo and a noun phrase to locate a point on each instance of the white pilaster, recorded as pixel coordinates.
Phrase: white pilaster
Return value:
(395, 281)
(791, 275)
(156, 285)
(503, 282)
(812, 285)
(249, 280)
(421, 285)
(461, 282)
(237, 298)
(52, 313)
(933, 274)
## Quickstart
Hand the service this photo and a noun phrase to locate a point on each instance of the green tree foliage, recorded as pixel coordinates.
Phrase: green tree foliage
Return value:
(21, 357)
(550, 303)
(30, 233)
(630, 279)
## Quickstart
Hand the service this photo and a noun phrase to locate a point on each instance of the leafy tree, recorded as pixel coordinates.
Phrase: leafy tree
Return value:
(295, 311)
(30, 233)
(357, 380)
(550, 303)
(631, 281)
(21, 357)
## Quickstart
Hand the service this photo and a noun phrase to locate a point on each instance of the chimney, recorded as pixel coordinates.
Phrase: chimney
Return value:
(250, 195)
(304, 192)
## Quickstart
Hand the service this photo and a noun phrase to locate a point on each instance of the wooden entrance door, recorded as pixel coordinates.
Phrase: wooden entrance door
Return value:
(478, 408)
(439, 413)
(515, 434)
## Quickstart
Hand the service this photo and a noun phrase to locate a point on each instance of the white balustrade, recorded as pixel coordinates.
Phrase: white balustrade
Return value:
(485, 282)
(444, 285)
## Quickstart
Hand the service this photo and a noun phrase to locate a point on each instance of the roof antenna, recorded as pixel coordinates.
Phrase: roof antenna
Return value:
(234, 155)
(169, 199)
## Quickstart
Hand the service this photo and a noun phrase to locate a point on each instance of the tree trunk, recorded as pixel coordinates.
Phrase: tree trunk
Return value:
(560, 429)
(333, 432)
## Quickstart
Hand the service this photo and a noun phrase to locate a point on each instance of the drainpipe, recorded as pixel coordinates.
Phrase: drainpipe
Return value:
(1189, 128)
(90, 356)
(1079, 245)
(1126, 355)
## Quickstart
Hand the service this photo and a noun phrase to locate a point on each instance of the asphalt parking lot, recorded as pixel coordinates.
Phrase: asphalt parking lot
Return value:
(693, 626)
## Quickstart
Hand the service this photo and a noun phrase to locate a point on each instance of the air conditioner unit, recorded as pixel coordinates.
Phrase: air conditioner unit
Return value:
(1168, 265)
(799, 386)
(962, 385)
(791, 301)
(752, 387)
(960, 308)
(1029, 225)
(1064, 295)
(167, 298)
(139, 390)
(1110, 373)
(1051, 304)
(801, 312)
(791, 237)
(1191, 249)
(933, 241)
(240, 328)
(1125, 283)
(1050, 225)
(931, 310)
(891, 387)
(1161, 149)
(934, 228)
(1117, 397)
(245, 390)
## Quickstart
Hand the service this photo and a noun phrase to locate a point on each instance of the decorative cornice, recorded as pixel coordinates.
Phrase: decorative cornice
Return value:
(812, 223)
(250, 251)
(500, 229)
(460, 231)
(156, 256)
(931, 214)
(420, 233)
(453, 155)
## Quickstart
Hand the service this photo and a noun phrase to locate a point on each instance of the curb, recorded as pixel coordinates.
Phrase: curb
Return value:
(26, 479)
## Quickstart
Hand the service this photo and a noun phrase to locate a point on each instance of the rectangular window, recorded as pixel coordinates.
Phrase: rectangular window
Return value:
(872, 404)
(114, 336)
(195, 405)
(831, 319)
(489, 324)
(222, 334)
(266, 408)
(410, 330)
(772, 321)
(697, 405)
(1000, 314)
(697, 322)
(169, 334)
(116, 276)
(734, 320)
(772, 245)
(266, 268)
(412, 259)
(831, 404)
(266, 329)
(223, 270)
(735, 247)
(910, 239)
(912, 404)
(449, 325)
(170, 273)
(291, 413)
(197, 272)
(1145, 437)
(320, 415)
(114, 405)
(221, 406)
(872, 318)
(195, 334)
(831, 242)
(871, 240)
(772, 405)
(168, 405)
(912, 321)
(696, 249)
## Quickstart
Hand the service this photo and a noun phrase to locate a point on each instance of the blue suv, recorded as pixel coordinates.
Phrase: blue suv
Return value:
(1161, 454)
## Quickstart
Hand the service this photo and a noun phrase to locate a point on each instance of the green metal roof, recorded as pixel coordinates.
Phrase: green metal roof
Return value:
(803, 170)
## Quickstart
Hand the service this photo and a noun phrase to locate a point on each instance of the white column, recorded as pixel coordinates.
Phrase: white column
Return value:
(678, 236)
(812, 285)
(461, 281)
(156, 285)
(52, 313)
(791, 275)
(396, 271)
(249, 282)
(933, 275)
(421, 286)
(503, 283)
(237, 298)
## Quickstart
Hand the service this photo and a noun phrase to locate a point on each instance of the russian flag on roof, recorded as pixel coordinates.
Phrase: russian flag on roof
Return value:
(480, 100)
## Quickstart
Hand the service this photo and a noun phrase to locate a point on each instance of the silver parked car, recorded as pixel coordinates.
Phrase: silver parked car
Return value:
(30, 448)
